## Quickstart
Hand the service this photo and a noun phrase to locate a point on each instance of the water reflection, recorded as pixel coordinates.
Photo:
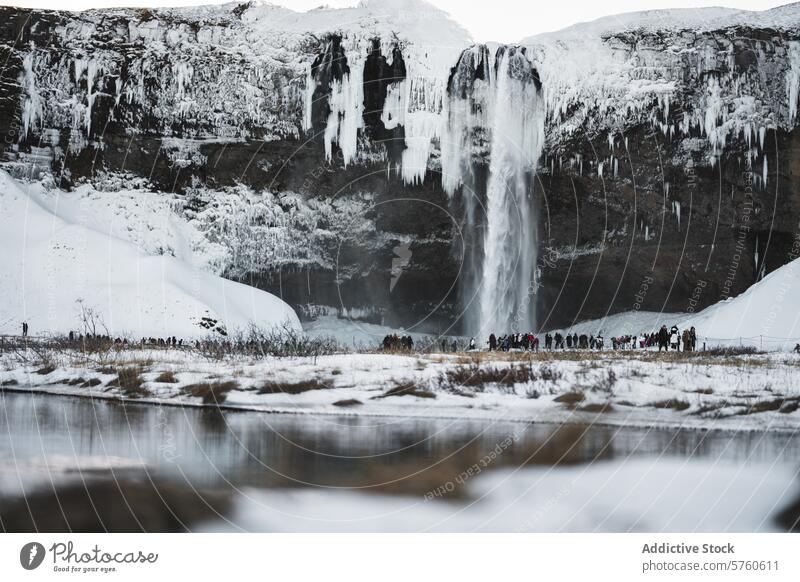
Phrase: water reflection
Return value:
(209, 448)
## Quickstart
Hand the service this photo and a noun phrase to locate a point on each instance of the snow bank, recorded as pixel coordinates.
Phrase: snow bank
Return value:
(53, 266)
(766, 315)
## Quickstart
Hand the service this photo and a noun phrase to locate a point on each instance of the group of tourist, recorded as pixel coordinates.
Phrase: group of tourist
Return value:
(394, 342)
(666, 339)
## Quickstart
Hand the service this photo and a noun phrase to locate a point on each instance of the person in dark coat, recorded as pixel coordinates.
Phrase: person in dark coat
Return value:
(663, 339)
(24, 329)
(569, 341)
(492, 342)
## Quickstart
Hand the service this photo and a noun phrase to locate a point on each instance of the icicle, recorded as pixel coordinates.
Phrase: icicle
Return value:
(183, 76)
(793, 80)
(756, 258)
(346, 103)
(765, 172)
(32, 103)
(91, 71)
(309, 98)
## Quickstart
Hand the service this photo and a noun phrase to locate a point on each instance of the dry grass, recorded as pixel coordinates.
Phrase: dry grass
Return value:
(211, 392)
(130, 381)
(570, 398)
(91, 383)
(476, 377)
(672, 403)
(45, 370)
(292, 387)
(784, 405)
(10, 383)
(167, 377)
(407, 389)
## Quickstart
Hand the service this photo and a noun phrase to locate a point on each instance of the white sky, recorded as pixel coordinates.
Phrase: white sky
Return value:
(499, 20)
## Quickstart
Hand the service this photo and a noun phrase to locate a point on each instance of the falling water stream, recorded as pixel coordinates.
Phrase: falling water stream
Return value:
(517, 129)
(496, 112)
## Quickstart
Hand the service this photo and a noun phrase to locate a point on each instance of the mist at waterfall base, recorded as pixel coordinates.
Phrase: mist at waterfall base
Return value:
(495, 112)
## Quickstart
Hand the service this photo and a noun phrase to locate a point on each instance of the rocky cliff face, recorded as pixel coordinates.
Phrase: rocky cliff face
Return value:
(373, 161)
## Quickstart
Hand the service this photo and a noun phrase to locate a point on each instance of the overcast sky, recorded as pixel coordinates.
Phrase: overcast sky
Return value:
(499, 20)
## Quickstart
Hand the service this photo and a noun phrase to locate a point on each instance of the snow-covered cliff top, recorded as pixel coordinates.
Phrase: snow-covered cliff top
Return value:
(697, 19)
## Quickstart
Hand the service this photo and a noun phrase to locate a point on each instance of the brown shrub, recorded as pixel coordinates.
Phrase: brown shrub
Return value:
(211, 392)
(47, 369)
(167, 377)
(292, 387)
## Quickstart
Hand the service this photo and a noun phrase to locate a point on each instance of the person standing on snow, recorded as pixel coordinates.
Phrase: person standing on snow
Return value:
(663, 339)
(687, 341)
(674, 338)
(24, 329)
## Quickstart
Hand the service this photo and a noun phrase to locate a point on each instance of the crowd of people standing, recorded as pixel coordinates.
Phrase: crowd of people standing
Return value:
(664, 339)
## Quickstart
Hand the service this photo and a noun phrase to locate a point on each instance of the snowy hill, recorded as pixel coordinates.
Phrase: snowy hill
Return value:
(703, 19)
(766, 315)
(53, 264)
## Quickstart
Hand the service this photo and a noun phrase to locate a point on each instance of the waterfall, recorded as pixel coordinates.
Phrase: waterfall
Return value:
(495, 119)
(508, 285)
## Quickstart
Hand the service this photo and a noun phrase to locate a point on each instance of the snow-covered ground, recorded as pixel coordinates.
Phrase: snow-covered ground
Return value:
(631, 388)
(63, 259)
